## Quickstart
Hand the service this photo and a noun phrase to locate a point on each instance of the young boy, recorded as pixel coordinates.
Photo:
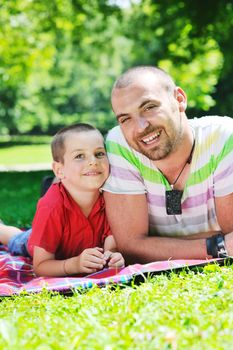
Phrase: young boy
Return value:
(70, 233)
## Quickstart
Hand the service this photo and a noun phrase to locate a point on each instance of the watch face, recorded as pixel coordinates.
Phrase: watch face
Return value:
(173, 202)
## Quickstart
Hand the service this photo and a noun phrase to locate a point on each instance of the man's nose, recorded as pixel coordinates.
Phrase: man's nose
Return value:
(141, 123)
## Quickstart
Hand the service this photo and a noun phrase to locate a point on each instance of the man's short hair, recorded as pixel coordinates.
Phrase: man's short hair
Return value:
(128, 77)
(58, 141)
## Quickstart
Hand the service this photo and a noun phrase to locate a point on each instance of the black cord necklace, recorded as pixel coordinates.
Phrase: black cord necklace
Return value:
(173, 197)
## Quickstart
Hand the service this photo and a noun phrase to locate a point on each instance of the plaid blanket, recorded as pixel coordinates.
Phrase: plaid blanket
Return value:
(16, 275)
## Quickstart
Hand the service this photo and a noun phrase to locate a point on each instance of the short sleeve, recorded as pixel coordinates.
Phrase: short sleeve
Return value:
(223, 159)
(47, 229)
(106, 232)
(124, 175)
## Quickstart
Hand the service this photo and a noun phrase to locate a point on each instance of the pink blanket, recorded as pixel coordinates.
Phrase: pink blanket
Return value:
(16, 275)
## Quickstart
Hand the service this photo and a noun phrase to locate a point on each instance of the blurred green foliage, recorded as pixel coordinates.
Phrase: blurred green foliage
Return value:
(59, 59)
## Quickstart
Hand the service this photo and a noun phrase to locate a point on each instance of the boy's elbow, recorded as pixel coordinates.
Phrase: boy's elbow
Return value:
(38, 270)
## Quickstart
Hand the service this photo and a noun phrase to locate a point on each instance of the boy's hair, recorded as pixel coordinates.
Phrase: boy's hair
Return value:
(58, 141)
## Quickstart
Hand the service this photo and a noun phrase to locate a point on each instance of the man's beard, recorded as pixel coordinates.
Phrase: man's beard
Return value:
(158, 152)
(165, 146)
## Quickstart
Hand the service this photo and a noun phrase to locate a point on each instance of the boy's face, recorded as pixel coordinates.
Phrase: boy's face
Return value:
(85, 166)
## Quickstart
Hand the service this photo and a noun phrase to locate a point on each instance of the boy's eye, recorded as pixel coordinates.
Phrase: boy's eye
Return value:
(100, 154)
(79, 156)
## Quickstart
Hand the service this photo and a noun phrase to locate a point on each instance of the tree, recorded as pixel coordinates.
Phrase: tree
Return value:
(60, 70)
(58, 59)
(181, 37)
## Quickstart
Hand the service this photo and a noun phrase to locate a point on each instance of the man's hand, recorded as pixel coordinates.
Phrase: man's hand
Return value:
(114, 259)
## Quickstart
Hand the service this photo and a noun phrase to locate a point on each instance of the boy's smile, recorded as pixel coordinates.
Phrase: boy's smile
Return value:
(92, 173)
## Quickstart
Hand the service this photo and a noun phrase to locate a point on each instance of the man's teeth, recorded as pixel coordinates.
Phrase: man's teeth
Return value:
(151, 138)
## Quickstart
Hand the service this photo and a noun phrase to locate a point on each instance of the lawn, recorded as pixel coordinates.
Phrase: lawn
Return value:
(25, 150)
(186, 310)
(25, 155)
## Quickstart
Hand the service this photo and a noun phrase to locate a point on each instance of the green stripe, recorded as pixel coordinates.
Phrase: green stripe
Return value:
(203, 173)
(147, 173)
(228, 147)
(155, 176)
(116, 148)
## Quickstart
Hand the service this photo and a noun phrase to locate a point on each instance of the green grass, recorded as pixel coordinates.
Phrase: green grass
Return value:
(25, 155)
(25, 150)
(187, 310)
(24, 139)
(18, 196)
(180, 311)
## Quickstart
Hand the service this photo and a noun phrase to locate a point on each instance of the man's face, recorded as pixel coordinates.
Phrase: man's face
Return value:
(149, 117)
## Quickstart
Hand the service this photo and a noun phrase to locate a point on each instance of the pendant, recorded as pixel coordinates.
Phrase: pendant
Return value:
(173, 202)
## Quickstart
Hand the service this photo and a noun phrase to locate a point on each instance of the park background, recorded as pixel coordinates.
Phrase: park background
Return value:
(58, 61)
(59, 58)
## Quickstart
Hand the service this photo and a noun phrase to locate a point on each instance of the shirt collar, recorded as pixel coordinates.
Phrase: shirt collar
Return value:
(69, 202)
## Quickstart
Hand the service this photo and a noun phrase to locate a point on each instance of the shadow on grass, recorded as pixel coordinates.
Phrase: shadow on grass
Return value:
(19, 194)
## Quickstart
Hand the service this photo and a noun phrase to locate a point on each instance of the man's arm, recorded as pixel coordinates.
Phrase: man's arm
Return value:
(110, 244)
(224, 210)
(128, 219)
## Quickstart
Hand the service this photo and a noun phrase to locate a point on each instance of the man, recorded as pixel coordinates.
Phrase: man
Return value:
(170, 192)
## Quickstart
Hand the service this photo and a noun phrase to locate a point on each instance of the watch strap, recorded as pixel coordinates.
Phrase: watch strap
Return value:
(215, 246)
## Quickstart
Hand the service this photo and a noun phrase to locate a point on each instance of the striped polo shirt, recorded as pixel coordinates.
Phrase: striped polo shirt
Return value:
(211, 175)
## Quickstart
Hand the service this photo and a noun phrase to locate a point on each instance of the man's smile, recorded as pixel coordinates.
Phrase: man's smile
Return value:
(150, 139)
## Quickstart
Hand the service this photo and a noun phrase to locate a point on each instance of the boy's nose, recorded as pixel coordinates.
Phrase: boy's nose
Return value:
(92, 160)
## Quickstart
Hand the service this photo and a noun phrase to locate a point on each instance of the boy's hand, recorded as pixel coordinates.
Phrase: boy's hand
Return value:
(90, 260)
(114, 259)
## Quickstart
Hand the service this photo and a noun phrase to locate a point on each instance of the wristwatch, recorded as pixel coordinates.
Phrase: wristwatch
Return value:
(216, 246)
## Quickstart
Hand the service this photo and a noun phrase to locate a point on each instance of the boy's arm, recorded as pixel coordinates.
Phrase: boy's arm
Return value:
(45, 264)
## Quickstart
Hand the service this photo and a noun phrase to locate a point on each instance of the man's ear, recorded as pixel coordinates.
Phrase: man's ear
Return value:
(58, 169)
(181, 99)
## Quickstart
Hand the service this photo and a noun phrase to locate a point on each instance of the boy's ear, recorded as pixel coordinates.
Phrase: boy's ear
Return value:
(58, 169)
(181, 99)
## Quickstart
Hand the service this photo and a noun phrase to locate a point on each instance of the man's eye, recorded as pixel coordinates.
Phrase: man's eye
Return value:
(100, 154)
(148, 108)
(123, 120)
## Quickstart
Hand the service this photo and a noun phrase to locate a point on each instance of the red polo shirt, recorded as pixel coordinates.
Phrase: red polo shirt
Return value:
(60, 227)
